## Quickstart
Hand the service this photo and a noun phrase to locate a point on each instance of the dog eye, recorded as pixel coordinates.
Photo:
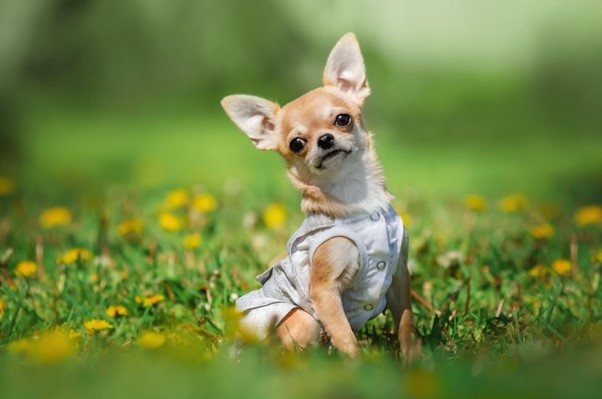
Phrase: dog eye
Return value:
(342, 120)
(297, 144)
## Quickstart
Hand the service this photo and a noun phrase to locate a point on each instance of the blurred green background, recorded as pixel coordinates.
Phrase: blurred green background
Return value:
(468, 96)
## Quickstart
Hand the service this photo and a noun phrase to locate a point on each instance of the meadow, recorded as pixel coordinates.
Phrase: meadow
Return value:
(122, 259)
(133, 213)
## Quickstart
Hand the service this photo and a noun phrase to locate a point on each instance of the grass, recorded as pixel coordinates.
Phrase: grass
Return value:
(501, 312)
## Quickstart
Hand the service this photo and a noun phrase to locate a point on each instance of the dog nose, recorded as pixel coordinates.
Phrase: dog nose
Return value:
(326, 141)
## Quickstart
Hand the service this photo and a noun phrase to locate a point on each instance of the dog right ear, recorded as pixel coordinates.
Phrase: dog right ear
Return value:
(255, 116)
(345, 68)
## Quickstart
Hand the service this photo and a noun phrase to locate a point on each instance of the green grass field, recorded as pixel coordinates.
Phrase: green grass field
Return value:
(125, 240)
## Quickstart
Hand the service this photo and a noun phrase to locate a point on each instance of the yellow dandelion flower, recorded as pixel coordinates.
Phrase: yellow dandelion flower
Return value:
(204, 203)
(57, 216)
(192, 241)
(73, 334)
(73, 255)
(151, 340)
(475, 202)
(2, 308)
(542, 231)
(169, 221)
(562, 266)
(7, 186)
(233, 327)
(116, 310)
(20, 346)
(274, 216)
(405, 217)
(538, 270)
(51, 347)
(513, 203)
(149, 300)
(591, 214)
(131, 227)
(177, 199)
(95, 325)
(26, 268)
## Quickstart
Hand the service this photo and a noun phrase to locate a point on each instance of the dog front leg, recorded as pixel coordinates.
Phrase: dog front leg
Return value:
(334, 264)
(401, 307)
(398, 299)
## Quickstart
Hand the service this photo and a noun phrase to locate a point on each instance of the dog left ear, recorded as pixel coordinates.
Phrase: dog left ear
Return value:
(255, 116)
(345, 68)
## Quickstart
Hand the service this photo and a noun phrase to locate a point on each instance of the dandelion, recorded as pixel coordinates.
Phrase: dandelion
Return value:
(177, 199)
(234, 328)
(116, 310)
(152, 340)
(513, 203)
(26, 269)
(131, 227)
(95, 325)
(542, 231)
(586, 215)
(169, 222)
(204, 203)
(51, 347)
(274, 216)
(475, 202)
(561, 266)
(73, 255)
(2, 308)
(174, 337)
(73, 334)
(7, 186)
(57, 216)
(22, 345)
(192, 241)
(149, 300)
(538, 270)
(405, 217)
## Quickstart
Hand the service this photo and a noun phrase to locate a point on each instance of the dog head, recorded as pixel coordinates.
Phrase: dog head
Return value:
(319, 134)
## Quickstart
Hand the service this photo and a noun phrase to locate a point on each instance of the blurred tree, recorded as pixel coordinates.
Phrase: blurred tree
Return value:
(18, 22)
(139, 51)
(129, 51)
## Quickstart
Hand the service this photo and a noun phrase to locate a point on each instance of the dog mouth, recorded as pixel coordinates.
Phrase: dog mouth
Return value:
(332, 155)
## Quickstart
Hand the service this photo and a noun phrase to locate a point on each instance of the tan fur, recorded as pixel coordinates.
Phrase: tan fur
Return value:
(341, 181)
(334, 265)
(298, 330)
(398, 300)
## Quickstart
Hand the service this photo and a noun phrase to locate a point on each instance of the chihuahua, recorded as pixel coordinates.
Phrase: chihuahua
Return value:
(348, 260)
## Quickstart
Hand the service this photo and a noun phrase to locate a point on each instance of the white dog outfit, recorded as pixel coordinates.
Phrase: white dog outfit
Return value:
(382, 243)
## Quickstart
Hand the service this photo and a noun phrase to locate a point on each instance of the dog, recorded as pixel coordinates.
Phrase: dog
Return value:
(348, 260)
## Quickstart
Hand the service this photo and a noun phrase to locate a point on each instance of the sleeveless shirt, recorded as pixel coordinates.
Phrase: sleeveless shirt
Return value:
(381, 240)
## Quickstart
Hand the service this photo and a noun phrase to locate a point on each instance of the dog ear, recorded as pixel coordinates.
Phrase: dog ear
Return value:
(345, 68)
(255, 116)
